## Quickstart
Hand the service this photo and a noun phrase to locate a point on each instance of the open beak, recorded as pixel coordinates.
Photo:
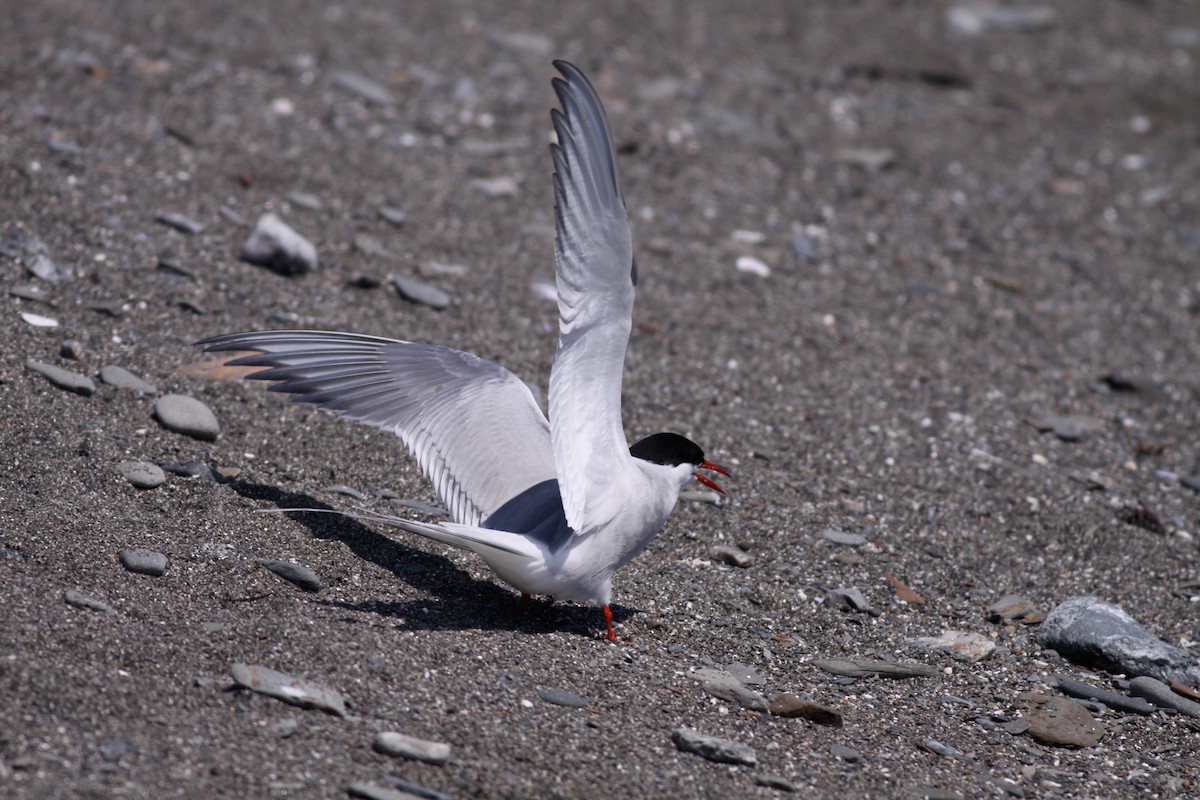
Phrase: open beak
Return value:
(707, 481)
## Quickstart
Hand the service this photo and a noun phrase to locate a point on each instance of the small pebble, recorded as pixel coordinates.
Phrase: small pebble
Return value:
(124, 379)
(851, 599)
(188, 469)
(753, 266)
(844, 538)
(744, 674)
(772, 781)
(786, 704)
(283, 729)
(502, 186)
(732, 691)
(391, 743)
(364, 88)
(143, 562)
(180, 222)
(38, 321)
(561, 697)
(344, 490)
(393, 215)
(865, 668)
(301, 576)
(188, 416)
(370, 791)
(1010, 606)
(274, 245)
(304, 200)
(415, 291)
(81, 600)
(730, 554)
(714, 748)
(847, 754)
(288, 688)
(142, 474)
(62, 378)
(71, 348)
(962, 645)
(416, 789)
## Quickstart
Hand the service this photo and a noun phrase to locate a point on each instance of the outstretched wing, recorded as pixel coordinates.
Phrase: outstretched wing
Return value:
(472, 425)
(596, 275)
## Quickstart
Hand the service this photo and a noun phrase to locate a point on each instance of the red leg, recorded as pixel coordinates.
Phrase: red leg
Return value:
(607, 612)
(525, 602)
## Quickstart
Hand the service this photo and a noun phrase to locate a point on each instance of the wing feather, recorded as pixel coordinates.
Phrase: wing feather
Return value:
(595, 279)
(473, 426)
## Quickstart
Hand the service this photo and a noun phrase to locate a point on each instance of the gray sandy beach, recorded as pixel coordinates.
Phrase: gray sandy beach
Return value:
(924, 276)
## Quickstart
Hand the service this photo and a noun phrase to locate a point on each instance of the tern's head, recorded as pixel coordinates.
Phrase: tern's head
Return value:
(673, 450)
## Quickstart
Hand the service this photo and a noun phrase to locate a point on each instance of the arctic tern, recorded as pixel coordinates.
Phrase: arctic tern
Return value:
(554, 507)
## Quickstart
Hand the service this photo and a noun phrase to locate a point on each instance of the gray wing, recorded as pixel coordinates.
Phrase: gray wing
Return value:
(595, 276)
(472, 425)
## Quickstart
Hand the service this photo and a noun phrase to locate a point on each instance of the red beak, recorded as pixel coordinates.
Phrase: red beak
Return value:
(707, 481)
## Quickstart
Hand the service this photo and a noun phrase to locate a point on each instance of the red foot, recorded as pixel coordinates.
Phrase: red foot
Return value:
(525, 602)
(607, 612)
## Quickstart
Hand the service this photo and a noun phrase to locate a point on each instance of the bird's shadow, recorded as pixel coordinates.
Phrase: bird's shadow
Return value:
(459, 602)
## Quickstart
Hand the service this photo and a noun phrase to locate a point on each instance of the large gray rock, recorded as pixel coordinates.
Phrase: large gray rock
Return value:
(1089, 631)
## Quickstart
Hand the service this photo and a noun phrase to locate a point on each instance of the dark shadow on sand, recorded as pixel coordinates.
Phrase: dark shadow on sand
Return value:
(459, 602)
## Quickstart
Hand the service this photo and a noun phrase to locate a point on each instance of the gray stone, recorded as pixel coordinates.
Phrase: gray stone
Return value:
(143, 562)
(415, 789)
(124, 379)
(283, 729)
(188, 469)
(180, 222)
(850, 599)
(847, 754)
(304, 200)
(773, 781)
(786, 704)
(370, 791)
(289, 689)
(734, 692)
(976, 17)
(730, 554)
(364, 88)
(1069, 427)
(415, 291)
(1059, 721)
(71, 348)
(866, 668)
(844, 538)
(745, 674)
(561, 697)
(62, 378)
(1010, 606)
(398, 744)
(301, 576)
(393, 215)
(142, 474)
(1094, 633)
(1112, 699)
(187, 415)
(1160, 694)
(962, 645)
(81, 600)
(274, 245)
(713, 748)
